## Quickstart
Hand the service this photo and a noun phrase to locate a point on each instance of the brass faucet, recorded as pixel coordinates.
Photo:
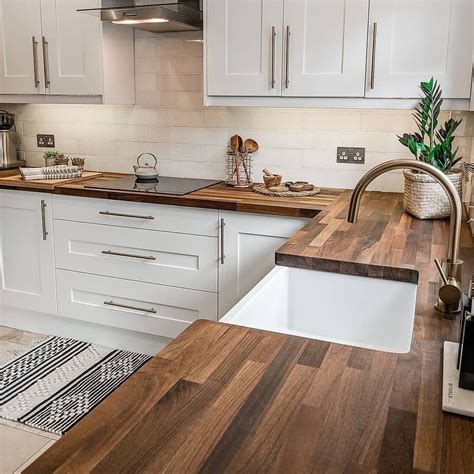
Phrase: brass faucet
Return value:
(450, 294)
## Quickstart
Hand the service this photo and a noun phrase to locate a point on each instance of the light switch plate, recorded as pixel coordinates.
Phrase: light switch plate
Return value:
(45, 141)
(351, 155)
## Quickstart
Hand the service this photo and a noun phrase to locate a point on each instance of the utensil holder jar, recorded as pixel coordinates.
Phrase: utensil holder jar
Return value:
(239, 169)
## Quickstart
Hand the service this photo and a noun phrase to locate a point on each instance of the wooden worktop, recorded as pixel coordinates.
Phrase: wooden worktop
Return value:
(219, 196)
(385, 243)
(225, 398)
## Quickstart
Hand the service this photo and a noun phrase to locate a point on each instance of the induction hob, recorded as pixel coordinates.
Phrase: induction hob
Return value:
(162, 185)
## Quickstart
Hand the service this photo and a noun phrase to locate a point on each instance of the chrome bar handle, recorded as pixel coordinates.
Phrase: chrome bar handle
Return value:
(120, 214)
(43, 219)
(273, 56)
(126, 306)
(131, 255)
(374, 49)
(35, 61)
(46, 61)
(287, 65)
(222, 241)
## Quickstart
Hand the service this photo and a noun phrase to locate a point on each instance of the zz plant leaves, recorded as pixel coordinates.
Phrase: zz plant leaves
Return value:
(431, 143)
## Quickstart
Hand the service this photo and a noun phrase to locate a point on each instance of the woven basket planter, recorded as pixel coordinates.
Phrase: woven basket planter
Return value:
(425, 198)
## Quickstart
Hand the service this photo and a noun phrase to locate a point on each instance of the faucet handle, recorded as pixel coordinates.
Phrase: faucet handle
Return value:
(449, 293)
(441, 271)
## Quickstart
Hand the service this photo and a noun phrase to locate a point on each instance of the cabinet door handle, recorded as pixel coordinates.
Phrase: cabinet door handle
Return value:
(35, 61)
(131, 255)
(120, 214)
(372, 61)
(43, 219)
(273, 56)
(222, 241)
(126, 306)
(46, 61)
(287, 65)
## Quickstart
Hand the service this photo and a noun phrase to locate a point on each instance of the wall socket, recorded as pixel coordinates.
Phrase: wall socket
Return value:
(351, 155)
(45, 141)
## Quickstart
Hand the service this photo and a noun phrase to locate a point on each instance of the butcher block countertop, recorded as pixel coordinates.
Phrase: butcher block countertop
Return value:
(219, 196)
(386, 242)
(223, 398)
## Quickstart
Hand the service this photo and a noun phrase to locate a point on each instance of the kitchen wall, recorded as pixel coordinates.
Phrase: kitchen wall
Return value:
(190, 140)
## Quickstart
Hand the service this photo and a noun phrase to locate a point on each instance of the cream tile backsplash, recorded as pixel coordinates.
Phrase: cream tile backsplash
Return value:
(190, 140)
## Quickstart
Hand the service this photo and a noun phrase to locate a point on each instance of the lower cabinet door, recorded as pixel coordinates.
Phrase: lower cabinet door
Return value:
(27, 275)
(144, 307)
(164, 258)
(248, 245)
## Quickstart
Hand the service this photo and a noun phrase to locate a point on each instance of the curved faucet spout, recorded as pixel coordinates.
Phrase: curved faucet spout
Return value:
(453, 196)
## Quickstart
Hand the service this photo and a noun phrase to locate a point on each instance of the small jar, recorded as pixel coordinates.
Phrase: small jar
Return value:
(79, 162)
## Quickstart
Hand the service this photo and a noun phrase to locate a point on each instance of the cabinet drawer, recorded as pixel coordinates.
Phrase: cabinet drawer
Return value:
(136, 215)
(143, 307)
(182, 260)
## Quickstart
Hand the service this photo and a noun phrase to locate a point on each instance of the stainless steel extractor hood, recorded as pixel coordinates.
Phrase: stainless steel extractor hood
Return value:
(152, 15)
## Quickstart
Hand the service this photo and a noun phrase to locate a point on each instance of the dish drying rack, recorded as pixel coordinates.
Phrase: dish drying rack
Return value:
(239, 169)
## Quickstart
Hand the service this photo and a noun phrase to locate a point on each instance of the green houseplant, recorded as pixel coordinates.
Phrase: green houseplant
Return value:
(432, 143)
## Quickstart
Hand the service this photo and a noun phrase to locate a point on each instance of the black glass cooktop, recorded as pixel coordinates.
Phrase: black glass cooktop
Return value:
(162, 185)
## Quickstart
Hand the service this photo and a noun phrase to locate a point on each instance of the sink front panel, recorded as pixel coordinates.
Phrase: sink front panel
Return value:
(359, 311)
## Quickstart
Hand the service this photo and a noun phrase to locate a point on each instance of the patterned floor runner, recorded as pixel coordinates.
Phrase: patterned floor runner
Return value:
(57, 382)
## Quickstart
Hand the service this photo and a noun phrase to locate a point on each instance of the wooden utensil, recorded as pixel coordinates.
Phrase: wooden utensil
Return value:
(236, 144)
(250, 146)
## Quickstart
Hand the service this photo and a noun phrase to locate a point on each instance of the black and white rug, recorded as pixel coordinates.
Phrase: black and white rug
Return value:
(59, 381)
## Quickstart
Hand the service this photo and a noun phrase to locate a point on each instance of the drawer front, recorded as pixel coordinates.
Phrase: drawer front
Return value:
(136, 215)
(182, 260)
(144, 307)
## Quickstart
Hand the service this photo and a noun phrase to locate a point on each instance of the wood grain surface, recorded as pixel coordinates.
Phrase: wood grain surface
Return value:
(219, 196)
(44, 184)
(385, 243)
(225, 398)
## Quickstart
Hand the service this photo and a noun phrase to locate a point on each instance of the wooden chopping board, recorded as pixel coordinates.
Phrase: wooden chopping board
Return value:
(46, 183)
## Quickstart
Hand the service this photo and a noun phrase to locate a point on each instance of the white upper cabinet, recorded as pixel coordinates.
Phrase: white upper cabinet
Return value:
(20, 47)
(50, 52)
(337, 52)
(244, 47)
(415, 40)
(325, 48)
(71, 45)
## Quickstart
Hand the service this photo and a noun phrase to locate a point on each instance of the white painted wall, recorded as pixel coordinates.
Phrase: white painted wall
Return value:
(191, 140)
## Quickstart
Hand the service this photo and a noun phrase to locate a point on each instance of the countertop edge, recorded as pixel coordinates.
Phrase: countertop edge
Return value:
(370, 270)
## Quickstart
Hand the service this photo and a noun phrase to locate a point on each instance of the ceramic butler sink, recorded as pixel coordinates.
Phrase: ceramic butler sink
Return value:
(358, 311)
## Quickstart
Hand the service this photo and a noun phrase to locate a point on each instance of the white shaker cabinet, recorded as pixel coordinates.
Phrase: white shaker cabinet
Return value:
(51, 53)
(71, 45)
(244, 47)
(248, 243)
(410, 41)
(26, 252)
(20, 47)
(325, 48)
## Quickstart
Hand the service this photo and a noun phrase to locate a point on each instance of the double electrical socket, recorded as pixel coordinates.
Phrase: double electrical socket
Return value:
(45, 141)
(351, 155)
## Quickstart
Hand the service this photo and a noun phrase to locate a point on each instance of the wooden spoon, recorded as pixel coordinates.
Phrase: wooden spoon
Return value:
(234, 143)
(250, 146)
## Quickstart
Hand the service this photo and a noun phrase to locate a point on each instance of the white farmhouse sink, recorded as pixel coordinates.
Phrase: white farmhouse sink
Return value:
(353, 310)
